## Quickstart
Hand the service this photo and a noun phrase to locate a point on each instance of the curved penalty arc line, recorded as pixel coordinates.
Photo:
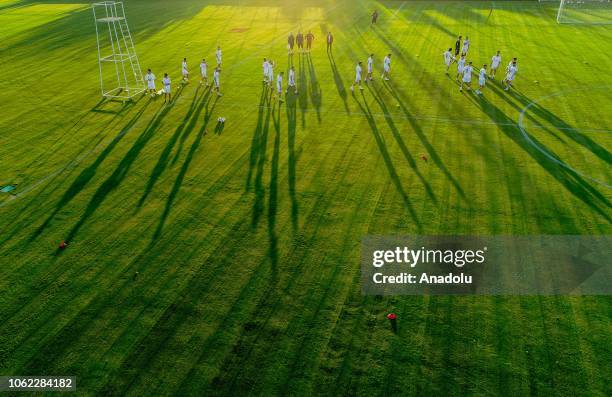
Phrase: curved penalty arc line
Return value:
(546, 152)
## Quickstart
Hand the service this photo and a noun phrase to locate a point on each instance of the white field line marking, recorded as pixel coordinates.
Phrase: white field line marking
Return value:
(544, 151)
(399, 9)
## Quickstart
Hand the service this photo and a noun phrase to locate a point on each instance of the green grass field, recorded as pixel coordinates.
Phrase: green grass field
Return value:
(246, 239)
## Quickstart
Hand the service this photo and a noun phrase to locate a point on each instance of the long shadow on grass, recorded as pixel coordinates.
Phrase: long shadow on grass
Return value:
(433, 154)
(255, 140)
(338, 81)
(400, 141)
(88, 173)
(273, 198)
(382, 147)
(315, 89)
(182, 132)
(260, 148)
(292, 160)
(113, 181)
(185, 167)
(573, 182)
(303, 89)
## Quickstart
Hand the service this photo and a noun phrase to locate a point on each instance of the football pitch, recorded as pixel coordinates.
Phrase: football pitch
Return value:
(223, 259)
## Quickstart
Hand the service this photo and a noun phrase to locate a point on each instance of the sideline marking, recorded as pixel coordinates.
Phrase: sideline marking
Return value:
(399, 9)
(544, 151)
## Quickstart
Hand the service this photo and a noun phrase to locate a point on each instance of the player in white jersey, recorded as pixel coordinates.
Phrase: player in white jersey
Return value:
(291, 81)
(204, 72)
(466, 46)
(217, 83)
(370, 67)
(150, 79)
(510, 75)
(166, 81)
(513, 61)
(266, 66)
(270, 73)
(495, 62)
(448, 58)
(218, 55)
(460, 66)
(482, 79)
(185, 70)
(279, 86)
(467, 77)
(386, 67)
(357, 77)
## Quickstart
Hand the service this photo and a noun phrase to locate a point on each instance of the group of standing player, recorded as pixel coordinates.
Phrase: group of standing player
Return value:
(166, 81)
(465, 68)
(358, 71)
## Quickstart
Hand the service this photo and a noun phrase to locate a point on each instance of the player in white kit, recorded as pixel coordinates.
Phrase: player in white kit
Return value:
(370, 67)
(357, 77)
(150, 79)
(460, 66)
(166, 81)
(185, 70)
(386, 67)
(291, 81)
(279, 86)
(265, 66)
(482, 79)
(216, 81)
(467, 77)
(510, 75)
(495, 62)
(448, 58)
(204, 72)
(466, 46)
(219, 56)
(270, 73)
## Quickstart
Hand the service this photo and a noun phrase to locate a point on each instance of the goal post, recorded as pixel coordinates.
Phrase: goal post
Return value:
(588, 12)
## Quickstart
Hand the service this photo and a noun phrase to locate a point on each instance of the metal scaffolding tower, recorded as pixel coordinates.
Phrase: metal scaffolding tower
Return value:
(120, 73)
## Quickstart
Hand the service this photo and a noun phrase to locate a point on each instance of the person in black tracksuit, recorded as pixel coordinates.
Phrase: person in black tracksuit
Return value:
(457, 46)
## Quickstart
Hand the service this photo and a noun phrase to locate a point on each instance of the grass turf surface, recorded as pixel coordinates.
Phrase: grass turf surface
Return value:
(246, 238)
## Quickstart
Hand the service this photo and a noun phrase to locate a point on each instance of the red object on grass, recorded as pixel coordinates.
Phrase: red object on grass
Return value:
(391, 316)
(63, 245)
(423, 157)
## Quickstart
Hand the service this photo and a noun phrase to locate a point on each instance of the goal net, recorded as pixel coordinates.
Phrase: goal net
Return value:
(592, 12)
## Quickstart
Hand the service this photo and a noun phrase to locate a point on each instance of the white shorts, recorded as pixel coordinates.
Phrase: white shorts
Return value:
(185, 72)
(279, 89)
(151, 85)
(358, 78)
(482, 82)
(447, 63)
(203, 74)
(369, 70)
(217, 83)
(291, 83)
(459, 70)
(509, 77)
(467, 79)
(387, 68)
(167, 89)
(494, 67)
(219, 60)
